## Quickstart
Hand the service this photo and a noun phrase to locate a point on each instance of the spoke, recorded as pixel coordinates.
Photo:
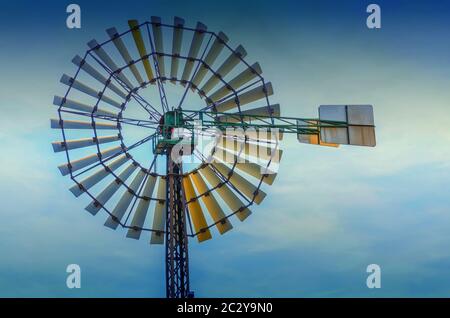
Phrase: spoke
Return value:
(122, 120)
(123, 151)
(131, 92)
(199, 62)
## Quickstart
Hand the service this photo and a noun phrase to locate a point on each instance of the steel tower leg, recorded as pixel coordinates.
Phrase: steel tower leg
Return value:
(177, 264)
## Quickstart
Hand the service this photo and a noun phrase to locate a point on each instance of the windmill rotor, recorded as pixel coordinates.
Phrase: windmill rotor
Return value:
(170, 132)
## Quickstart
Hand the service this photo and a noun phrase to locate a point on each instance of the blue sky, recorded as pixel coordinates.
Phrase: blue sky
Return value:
(330, 213)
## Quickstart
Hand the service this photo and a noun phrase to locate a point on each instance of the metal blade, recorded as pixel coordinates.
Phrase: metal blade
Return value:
(137, 36)
(72, 104)
(245, 98)
(102, 55)
(69, 81)
(240, 80)
(74, 124)
(120, 46)
(225, 68)
(214, 209)
(244, 186)
(210, 58)
(195, 211)
(98, 176)
(251, 168)
(86, 161)
(159, 218)
(251, 149)
(197, 40)
(176, 47)
(233, 202)
(108, 192)
(141, 211)
(81, 143)
(124, 202)
(85, 66)
(159, 47)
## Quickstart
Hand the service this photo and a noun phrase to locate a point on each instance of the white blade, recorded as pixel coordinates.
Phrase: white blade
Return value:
(69, 103)
(159, 47)
(159, 218)
(81, 143)
(246, 115)
(86, 161)
(98, 176)
(225, 68)
(141, 211)
(197, 40)
(244, 186)
(251, 168)
(67, 80)
(243, 78)
(195, 212)
(124, 202)
(233, 202)
(245, 98)
(75, 124)
(251, 149)
(214, 209)
(176, 47)
(102, 55)
(108, 192)
(114, 35)
(85, 66)
(140, 45)
(210, 58)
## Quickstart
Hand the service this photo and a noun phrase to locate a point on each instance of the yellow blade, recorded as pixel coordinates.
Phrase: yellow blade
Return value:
(137, 36)
(246, 115)
(214, 209)
(195, 211)
(240, 80)
(227, 66)
(159, 47)
(233, 202)
(210, 58)
(197, 40)
(159, 218)
(176, 47)
(141, 211)
(245, 98)
(244, 186)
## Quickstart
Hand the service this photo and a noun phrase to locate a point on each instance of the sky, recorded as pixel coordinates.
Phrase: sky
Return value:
(330, 213)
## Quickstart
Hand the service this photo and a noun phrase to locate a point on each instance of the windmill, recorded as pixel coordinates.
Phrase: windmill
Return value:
(124, 86)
